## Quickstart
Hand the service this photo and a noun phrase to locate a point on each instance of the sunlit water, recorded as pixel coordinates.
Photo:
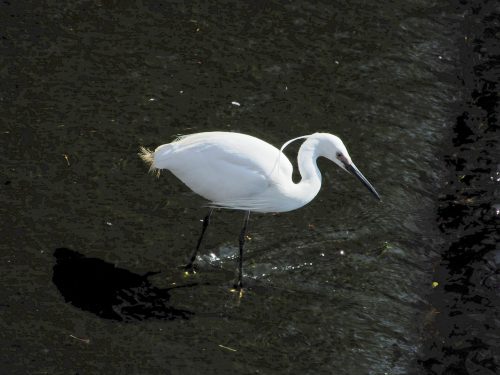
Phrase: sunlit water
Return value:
(338, 287)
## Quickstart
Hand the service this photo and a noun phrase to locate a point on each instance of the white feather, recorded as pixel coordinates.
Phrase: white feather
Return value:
(238, 171)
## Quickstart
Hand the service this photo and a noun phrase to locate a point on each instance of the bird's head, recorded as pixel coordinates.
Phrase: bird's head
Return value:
(332, 147)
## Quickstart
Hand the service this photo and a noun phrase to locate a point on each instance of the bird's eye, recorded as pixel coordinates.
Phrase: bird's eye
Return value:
(339, 155)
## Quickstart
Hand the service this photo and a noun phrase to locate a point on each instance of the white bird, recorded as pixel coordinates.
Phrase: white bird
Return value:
(241, 172)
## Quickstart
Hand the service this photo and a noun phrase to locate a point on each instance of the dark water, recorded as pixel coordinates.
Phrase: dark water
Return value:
(466, 324)
(342, 286)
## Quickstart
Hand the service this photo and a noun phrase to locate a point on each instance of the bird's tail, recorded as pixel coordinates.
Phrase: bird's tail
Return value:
(147, 157)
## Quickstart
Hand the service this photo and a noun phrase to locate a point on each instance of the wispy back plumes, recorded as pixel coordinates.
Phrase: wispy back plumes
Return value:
(148, 157)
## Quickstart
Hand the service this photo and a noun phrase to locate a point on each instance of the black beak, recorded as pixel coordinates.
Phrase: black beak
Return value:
(355, 171)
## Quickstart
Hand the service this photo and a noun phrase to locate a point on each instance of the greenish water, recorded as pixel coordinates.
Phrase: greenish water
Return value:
(339, 286)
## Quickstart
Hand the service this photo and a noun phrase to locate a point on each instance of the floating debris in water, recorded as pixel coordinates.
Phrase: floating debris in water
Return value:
(228, 348)
(385, 246)
(236, 104)
(86, 341)
(435, 284)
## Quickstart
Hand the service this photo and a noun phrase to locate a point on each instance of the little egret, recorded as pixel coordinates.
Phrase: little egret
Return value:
(241, 172)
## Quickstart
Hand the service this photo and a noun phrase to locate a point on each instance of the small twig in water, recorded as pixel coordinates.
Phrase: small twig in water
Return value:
(86, 341)
(225, 347)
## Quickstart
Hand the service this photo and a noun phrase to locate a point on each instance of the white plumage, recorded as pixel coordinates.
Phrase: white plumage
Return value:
(241, 172)
(238, 171)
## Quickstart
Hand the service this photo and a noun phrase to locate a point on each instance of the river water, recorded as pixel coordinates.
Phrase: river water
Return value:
(346, 285)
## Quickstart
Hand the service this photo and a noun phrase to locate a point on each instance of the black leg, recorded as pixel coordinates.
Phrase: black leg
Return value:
(242, 242)
(189, 267)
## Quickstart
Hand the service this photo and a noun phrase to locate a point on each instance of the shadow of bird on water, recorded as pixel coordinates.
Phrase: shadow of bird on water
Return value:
(94, 285)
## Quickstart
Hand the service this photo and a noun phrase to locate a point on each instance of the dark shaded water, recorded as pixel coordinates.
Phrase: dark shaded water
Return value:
(467, 304)
(343, 286)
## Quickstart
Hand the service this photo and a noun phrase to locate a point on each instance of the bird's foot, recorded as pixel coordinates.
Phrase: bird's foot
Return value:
(238, 288)
(189, 269)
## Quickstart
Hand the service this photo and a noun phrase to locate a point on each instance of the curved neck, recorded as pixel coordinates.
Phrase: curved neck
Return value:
(308, 153)
(309, 185)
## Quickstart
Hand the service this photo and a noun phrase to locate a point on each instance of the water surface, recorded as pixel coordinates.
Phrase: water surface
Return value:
(340, 286)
